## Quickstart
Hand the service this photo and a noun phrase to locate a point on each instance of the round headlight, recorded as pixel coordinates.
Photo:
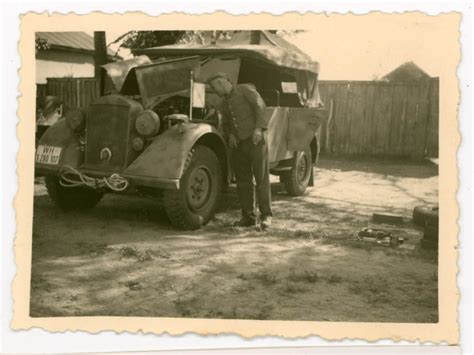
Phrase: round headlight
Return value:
(76, 119)
(147, 123)
(137, 144)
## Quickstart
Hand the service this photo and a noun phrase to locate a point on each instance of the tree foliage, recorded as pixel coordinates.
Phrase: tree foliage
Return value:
(147, 39)
(41, 44)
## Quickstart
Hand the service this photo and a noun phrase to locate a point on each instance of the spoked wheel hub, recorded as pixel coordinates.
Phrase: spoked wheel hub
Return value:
(199, 188)
(302, 167)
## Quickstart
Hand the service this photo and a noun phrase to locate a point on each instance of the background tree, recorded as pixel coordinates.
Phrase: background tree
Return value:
(41, 44)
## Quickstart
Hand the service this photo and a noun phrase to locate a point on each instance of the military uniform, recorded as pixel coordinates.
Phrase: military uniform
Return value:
(243, 111)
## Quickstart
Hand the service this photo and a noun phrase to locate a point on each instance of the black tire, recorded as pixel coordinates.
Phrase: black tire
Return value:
(297, 179)
(71, 198)
(431, 232)
(429, 244)
(424, 214)
(194, 204)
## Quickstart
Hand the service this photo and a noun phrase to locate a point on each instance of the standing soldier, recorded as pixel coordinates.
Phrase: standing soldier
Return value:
(244, 124)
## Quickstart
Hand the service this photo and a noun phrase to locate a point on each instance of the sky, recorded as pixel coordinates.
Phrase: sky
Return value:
(356, 49)
(363, 50)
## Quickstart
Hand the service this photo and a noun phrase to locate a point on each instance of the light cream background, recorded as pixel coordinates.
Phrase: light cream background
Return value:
(445, 27)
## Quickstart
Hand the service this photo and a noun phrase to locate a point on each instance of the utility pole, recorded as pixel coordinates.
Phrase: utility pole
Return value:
(100, 52)
(100, 58)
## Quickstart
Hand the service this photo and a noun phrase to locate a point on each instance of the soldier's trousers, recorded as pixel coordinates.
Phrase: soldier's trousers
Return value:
(250, 162)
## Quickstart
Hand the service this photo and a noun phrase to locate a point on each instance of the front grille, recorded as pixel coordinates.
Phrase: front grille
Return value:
(110, 122)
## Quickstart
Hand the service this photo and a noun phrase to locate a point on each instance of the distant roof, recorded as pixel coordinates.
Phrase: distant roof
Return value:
(408, 71)
(71, 40)
(271, 48)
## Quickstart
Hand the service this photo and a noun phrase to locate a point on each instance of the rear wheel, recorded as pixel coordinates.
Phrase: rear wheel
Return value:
(194, 204)
(71, 198)
(297, 179)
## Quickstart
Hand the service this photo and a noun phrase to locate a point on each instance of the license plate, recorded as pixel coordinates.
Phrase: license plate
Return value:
(46, 154)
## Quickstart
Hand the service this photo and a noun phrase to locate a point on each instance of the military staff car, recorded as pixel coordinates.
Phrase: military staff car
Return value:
(156, 128)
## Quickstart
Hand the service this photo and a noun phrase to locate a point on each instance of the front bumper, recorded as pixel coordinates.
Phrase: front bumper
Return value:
(134, 180)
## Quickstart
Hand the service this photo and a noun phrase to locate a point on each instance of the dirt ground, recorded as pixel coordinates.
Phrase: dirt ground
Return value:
(123, 258)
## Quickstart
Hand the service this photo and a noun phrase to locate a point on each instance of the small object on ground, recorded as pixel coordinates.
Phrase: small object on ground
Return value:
(424, 214)
(387, 218)
(379, 236)
(134, 253)
(266, 222)
(133, 285)
(395, 241)
(245, 222)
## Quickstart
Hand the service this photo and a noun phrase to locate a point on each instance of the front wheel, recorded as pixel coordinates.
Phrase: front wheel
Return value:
(71, 198)
(297, 179)
(195, 202)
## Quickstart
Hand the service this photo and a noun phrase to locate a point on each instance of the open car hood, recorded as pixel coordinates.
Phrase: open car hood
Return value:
(154, 82)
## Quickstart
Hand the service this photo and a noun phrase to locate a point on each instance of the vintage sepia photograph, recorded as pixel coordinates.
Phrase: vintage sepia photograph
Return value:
(255, 175)
(213, 174)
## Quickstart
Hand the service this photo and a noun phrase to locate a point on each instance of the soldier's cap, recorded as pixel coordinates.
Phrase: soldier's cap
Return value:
(218, 75)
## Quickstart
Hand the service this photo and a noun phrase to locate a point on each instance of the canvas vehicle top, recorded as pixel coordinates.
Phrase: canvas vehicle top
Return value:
(157, 128)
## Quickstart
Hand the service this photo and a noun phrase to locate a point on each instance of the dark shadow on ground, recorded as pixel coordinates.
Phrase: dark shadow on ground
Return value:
(400, 168)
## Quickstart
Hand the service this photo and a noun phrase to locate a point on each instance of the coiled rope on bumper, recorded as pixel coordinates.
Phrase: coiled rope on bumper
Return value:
(71, 177)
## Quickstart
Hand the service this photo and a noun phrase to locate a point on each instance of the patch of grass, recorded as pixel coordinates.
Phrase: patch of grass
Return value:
(262, 313)
(291, 287)
(133, 285)
(426, 254)
(184, 306)
(161, 253)
(231, 313)
(265, 277)
(381, 297)
(374, 288)
(134, 253)
(334, 279)
(240, 289)
(243, 276)
(310, 276)
(38, 283)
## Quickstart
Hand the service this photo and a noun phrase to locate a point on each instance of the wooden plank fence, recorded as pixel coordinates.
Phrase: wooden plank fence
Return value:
(380, 118)
(75, 92)
(365, 117)
(41, 90)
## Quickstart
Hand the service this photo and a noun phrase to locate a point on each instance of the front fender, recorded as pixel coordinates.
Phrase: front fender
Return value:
(165, 157)
(60, 135)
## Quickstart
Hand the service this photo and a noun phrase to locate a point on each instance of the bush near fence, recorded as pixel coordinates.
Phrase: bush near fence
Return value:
(365, 117)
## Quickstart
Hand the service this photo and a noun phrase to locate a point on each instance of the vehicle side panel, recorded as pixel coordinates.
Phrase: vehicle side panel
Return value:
(291, 129)
(165, 157)
(303, 124)
(60, 135)
(276, 133)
